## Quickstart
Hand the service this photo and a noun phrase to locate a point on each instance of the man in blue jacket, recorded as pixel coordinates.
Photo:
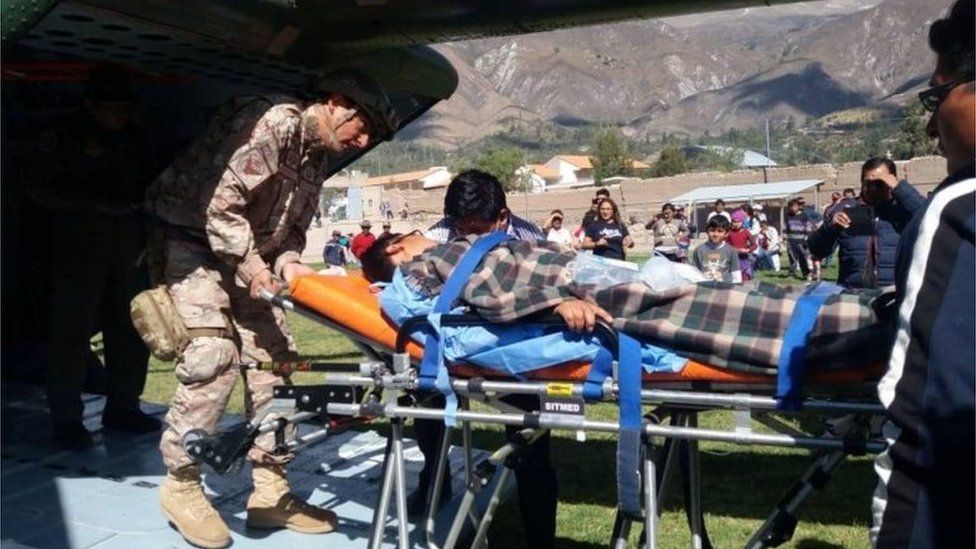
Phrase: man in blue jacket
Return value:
(867, 248)
(926, 495)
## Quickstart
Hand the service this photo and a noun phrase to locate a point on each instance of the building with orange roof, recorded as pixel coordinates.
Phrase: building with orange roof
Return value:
(577, 170)
(431, 178)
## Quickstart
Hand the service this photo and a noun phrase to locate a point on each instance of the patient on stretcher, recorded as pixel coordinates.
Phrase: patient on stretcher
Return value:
(737, 327)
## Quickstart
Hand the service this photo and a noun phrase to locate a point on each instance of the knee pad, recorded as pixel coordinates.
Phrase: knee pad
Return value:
(206, 358)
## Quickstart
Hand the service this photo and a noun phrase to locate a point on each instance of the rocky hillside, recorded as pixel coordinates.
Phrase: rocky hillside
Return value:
(690, 74)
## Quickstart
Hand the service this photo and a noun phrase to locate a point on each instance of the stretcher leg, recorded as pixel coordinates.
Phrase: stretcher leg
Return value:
(780, 525)
(434, 496)
(383, 497)
(462, 515)
(469, 473)
(394, 486)
(650, 499)
(695, 518)
(656, 471)
(621, 531)
(403, 523)
(481, 537)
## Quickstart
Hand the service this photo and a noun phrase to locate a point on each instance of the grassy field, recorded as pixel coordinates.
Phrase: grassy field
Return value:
(740, 484)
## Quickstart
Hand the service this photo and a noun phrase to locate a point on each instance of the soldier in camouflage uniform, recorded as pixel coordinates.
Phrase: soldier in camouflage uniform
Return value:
(236, 206)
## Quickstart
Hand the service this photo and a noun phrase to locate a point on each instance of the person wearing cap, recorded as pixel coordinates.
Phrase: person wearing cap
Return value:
(363, 240)
(555, 231)
(386, 228)
(235, 208)
(92, 170)
(334, 252)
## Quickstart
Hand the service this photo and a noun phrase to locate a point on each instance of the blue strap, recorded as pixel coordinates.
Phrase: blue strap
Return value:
(629, 443)
(433, 373)
(792, 366)
(600, 370)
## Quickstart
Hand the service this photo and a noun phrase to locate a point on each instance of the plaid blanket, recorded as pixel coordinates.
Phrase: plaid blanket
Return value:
(734, 326)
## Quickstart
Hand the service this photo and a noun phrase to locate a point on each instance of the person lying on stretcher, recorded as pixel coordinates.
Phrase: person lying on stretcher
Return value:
(738, 327)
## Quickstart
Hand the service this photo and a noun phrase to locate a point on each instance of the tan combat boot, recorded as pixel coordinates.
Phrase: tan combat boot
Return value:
(185, 506)
(272, 506)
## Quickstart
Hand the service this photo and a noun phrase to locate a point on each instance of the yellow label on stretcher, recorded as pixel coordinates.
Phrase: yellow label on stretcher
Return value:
(559, 389)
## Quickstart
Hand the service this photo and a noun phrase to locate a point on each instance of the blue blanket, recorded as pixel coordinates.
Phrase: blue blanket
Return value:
(511, 348)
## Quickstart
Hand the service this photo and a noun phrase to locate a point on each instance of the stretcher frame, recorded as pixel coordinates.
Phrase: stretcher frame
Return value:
(383, 387)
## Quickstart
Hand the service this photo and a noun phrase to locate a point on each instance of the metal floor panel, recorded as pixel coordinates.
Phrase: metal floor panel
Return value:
(107, 497)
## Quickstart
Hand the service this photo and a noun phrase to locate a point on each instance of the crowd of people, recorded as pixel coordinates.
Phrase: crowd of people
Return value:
(861, 229)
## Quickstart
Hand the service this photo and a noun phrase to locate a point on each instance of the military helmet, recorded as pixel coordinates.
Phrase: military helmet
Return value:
(367, 93)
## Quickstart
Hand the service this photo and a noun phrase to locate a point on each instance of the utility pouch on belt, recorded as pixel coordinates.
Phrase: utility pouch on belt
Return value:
(158, 323)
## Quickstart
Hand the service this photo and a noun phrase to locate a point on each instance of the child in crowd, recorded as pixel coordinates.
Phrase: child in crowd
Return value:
(797, 230)
(715, 258)
(740, 239)
(767, 255)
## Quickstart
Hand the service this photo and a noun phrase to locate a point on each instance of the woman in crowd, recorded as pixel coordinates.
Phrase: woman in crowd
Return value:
(668, 232)
(607, 236)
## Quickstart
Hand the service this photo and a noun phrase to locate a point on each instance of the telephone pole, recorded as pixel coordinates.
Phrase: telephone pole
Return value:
(766, 168)
(767, 138)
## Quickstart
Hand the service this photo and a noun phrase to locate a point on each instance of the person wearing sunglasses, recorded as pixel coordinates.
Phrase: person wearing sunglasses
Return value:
(925, 495)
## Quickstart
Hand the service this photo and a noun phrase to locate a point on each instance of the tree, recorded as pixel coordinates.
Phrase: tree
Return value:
(912, 140)
(671, 162)
(502, 163)
(610, 155)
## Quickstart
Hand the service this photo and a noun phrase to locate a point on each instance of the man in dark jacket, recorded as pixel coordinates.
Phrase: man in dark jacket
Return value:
(867, 250)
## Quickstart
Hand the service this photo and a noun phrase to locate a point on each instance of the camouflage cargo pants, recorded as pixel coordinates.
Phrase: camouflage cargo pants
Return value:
(208, 295)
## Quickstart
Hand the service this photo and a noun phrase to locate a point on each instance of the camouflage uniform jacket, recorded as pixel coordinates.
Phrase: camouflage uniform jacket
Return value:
(249, 185)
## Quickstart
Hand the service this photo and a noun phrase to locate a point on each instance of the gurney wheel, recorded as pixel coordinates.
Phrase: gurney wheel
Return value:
(190, 440)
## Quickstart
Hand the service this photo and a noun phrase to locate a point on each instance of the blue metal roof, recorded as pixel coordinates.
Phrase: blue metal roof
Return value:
(747, 192)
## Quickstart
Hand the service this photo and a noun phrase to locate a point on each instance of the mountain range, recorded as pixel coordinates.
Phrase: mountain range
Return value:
(690, 74)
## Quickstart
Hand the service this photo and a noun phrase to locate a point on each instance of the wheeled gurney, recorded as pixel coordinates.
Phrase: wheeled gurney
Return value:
(385, 385)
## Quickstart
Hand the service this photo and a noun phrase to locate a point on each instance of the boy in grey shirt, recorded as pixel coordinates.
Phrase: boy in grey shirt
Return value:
(715, 258)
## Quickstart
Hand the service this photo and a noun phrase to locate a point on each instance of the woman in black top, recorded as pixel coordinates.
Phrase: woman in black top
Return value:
(606, 235)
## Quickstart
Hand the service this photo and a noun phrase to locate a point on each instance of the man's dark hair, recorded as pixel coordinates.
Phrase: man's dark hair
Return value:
(876, 162)
(474, 193)
(718, 222)
(603, 192)
(719, 201)
(667, 206)
(952, 39)
(377, 265)
(849, 190)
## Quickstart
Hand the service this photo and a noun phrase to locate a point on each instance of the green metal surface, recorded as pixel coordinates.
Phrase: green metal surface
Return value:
(18, 16)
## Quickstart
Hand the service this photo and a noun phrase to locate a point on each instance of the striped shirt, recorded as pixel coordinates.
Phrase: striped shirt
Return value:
(444, 230)
(925, 496)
